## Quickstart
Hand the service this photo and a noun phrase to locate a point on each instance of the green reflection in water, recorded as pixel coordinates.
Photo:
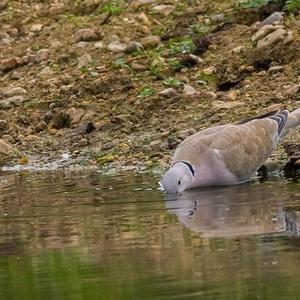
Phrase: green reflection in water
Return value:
(75, 236)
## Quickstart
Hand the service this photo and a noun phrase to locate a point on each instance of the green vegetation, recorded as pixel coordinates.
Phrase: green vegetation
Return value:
(114, 7)
(184, 45)
(146, 91)
(292, 5)
(253, 3)
(171, 81)
(202, 29)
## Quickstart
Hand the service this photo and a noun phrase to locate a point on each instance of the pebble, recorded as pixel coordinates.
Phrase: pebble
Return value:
(116, 46)
(151, 41)
(138, 67)
(87, 35)
(272, 38)
(11, 101)
(5, 149)
(48, 116)
(133, 46)
(75, 114)
(36, 27)
(16, 91)
(142, 17)
(83, 142)
(84, 60)
(8, 64)
(163, 9)
(99, 45)
(238, 49)
(3, 125)
(275, 69)
(42, 55)
(189, 91)
(45, 73)
(292, 90)
(60, 120)
(217, 18)
(168, 93)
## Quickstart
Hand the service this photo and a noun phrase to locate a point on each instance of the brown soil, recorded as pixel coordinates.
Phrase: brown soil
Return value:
(104, 107)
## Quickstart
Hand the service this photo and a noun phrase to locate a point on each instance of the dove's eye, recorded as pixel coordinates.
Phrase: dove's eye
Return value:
(179, 182)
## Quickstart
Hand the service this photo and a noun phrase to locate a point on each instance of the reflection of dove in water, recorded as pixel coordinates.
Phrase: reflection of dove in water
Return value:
(227, 154)
(231, 211)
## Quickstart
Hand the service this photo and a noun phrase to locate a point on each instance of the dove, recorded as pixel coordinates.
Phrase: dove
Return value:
(227, 154)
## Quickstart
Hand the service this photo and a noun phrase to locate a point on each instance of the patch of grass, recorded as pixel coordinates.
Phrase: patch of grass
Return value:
(205, 79)
(252, 3)
(171, 81)
(202, 29)
(78, 21)
(184, 45)
(146, 91)
(176, 65)
(115, 7)
(292, 6)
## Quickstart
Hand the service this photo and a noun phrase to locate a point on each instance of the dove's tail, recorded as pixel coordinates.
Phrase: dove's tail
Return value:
(292, 122)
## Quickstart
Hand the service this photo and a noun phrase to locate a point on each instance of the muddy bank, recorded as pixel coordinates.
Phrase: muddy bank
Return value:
(121, 83)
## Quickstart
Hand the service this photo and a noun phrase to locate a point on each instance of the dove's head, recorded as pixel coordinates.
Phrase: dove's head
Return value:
(178, 178)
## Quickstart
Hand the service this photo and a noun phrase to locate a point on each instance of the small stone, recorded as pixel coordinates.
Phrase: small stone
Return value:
(15, 100)
(48, 116)
(138, 67)
(189, 91)
(87, 35)
(60, 120)
(75, 114)
(99, 45)
(5, 150)
(133, 46)
(36, 27)
(16, 75)
(142, 17)
(42, 55)
(83, 142)
(289, 38)
(210, 70)
(151, 41)
(3, 126)
(168, 93)
(42, 125)
(8, 64)
(84, 60)
(116, 46)
(238, 49)
(292, 90)
(231, 96)
(45, 73)
(15, 92)
(217, 18)
(275, 69)
(272, 38)
(163, 9)
(275, 106)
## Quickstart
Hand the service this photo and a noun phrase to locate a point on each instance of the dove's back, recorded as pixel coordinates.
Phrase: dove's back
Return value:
(231, 154)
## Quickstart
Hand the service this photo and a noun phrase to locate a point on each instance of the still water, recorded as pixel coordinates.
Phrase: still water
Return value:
(82, 235)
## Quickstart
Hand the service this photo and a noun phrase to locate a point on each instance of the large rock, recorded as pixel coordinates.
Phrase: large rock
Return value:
(271, 39)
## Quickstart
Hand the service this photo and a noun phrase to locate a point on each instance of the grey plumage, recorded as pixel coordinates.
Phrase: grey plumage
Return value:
(228, 154)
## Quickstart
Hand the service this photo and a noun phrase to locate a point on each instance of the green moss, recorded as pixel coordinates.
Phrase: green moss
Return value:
(115, 7)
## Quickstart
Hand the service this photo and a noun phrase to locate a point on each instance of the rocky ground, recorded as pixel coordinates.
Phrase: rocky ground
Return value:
(121, 83)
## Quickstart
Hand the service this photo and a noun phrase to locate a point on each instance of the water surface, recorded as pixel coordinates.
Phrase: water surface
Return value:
(83, 235)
